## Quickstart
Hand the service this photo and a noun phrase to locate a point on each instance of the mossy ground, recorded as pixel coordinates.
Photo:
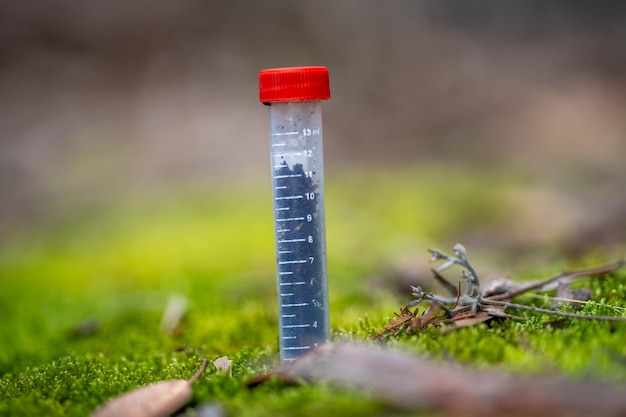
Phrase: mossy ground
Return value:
(119, 266)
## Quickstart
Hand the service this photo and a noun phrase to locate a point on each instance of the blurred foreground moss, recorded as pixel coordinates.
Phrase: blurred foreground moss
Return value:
(215, 247)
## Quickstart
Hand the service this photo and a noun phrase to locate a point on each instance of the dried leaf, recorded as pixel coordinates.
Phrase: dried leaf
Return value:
(462, 317)
(556, 324)
(86, 328)
(429, 317)
(210, 409)
(174, 312)
(498, 311)
(467, 320)
(156, 400)
(565, 295)
(224, 364)
(502, 286)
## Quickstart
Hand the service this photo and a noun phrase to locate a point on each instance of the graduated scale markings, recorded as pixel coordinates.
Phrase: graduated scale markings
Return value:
(299, 253)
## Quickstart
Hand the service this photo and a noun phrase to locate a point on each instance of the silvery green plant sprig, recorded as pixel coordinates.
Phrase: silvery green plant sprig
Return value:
(473, 294)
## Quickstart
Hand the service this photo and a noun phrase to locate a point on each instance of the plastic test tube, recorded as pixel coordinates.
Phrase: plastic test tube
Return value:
(294, 98)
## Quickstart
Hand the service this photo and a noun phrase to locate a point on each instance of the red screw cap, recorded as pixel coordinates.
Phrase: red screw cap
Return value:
(293, 84)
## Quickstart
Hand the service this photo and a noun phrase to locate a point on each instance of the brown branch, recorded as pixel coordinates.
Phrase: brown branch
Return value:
(450, 287)
(565, 276)
(415, 384)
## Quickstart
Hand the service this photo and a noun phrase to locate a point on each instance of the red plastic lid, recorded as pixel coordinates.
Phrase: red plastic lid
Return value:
(293, 84)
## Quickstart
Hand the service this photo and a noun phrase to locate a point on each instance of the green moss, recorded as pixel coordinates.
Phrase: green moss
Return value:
(118, 268)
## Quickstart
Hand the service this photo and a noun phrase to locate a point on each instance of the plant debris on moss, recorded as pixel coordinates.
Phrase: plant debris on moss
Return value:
(476, 305)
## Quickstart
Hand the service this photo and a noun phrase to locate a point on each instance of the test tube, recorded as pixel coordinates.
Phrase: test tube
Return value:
(294, 96)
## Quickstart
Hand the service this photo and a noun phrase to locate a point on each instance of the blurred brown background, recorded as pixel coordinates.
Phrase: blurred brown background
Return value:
(99, 100)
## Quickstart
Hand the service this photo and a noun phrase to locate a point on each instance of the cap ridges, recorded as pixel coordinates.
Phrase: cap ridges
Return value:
(294, 84)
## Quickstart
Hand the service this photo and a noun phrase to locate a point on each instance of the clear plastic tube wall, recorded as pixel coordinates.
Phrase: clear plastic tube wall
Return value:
(300, 229)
